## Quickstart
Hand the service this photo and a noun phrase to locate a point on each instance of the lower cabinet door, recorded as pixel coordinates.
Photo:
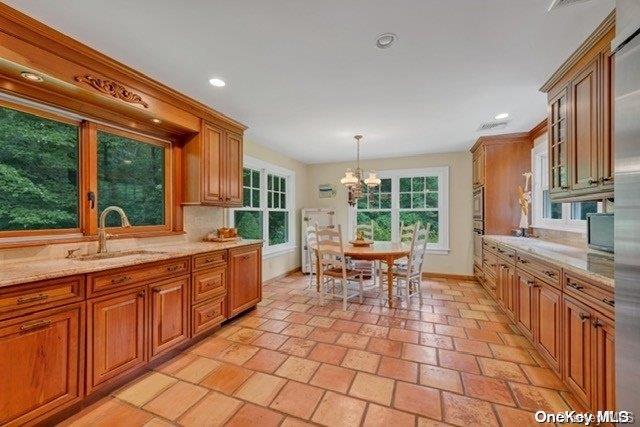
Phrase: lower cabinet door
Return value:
(169, 314)
(208, 315)
(510, 290)
(605, 395)
(245, 279)
(116, 335)
(577, 349)
(524, 302)
(40, 358)
(548, 303)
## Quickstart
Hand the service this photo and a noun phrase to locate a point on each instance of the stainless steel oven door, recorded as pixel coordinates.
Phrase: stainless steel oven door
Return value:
(478, 204)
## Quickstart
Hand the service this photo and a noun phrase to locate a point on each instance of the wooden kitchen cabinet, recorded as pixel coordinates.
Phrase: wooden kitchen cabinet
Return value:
(478, 167)
(525, 307)
(548, 320)
(245, 279)
(580, 120)
(213, 164)
(169, 316)
(116, 326)
(578, 349)
(604, 349)
(41, 363)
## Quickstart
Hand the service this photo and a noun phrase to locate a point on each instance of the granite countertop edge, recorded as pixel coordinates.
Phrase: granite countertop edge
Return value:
(545, 255)
(33, 270)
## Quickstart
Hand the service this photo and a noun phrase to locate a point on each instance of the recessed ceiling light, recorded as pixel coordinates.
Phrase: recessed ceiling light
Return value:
(501, 116)
(217, 82)
(385, 40)
(156, 121)
(31, 76)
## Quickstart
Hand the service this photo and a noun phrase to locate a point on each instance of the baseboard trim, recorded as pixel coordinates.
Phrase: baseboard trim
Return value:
(281, 276)
(430, 275)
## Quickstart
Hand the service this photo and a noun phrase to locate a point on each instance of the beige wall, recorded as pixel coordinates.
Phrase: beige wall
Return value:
(281, 264)
(460, 259)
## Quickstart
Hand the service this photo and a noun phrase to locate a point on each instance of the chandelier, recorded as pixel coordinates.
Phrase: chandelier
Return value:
(354, 181)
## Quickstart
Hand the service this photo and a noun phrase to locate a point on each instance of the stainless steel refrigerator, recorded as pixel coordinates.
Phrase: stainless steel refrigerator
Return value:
(627, 223)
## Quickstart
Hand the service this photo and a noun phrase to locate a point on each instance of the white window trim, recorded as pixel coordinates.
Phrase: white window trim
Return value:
(442, 173)
(540, 182)
(265, 168)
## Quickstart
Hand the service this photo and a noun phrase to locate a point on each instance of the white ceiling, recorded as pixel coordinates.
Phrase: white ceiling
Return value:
(305, 75)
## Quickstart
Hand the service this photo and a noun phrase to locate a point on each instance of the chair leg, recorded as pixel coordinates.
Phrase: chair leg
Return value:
(344, 293)
(361, 288)
(419, 289)
(321, 290)
(407, 291)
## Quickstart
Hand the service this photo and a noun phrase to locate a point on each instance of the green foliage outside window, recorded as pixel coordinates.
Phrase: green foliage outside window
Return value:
(131, 175)
(278, 227)
(425, 217)
(249, 224)
(381, 223)
(38, 172)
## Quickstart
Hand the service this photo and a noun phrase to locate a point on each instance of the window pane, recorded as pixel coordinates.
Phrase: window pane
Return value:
(278, 227)
(432, 200)
(269, 182)
(276, 183)
(385, 185)
(246, 197)
(418, 200)
(550, 210)
(405, 184)
(256, 198)
(246, 177)
(381, 223)
(417, 184)
(38, 172)
(405, 200)
(431, 183)
(283, 184)
(385, 201)
(363, 203)
(131, 175)
(255, 179)
(579, 210)
(283, 201)
(425, 217)
(248, 223)
(374, 201)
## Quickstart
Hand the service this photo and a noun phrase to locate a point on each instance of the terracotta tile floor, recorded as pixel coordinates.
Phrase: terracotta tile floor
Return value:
(454, 360)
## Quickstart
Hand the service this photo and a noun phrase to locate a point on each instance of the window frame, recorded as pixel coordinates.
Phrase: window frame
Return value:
(539, 183)
(442, 173)
(87, 177)
(265, 169)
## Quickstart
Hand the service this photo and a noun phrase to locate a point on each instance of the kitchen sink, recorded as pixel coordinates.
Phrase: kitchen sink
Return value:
(117, 254)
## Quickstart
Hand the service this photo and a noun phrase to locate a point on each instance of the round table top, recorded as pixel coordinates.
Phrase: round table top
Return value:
(377, 251)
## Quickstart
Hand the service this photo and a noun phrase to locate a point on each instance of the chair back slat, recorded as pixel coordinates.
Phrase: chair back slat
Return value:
(418, 250)
(329, 247)
(407, 232)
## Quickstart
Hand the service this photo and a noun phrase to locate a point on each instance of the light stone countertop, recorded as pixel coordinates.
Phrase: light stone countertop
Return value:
(594, 264)
(18, 272)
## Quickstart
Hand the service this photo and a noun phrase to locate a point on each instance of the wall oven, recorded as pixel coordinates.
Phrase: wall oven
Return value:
(478, 231)
(478, 204)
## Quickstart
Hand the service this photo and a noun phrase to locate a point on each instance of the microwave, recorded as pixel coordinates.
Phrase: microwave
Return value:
(600, 231)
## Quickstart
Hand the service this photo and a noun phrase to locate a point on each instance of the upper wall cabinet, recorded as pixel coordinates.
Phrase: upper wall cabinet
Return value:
(213, 167)
(579, 121)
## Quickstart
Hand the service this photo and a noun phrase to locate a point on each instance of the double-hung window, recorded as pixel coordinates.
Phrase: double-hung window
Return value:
(268, 211)
(405, 197)
(553, 215)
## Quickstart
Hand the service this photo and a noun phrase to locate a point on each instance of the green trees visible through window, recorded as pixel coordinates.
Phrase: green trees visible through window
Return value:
(38, 172)
(131, 175)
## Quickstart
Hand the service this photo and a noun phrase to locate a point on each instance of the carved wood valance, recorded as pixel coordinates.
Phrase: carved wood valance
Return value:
(115, 89)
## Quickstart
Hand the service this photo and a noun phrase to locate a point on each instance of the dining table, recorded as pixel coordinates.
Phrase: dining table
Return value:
(387, 252)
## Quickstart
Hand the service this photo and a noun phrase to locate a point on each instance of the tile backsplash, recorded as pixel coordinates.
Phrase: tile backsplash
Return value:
(198, 221)
(570, 238)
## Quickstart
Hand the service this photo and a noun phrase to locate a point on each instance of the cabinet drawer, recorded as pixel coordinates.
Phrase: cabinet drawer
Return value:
(121, 277)
(20, 299)
(506, 254)
(208, 315)
(208, 284)
(488, 245)
(490, 263)
(590, 293)
(540, 269)
(208, 260)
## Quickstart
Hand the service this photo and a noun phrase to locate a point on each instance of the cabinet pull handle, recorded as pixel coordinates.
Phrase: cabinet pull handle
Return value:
(575, 286)
(584, 317)
(608, 301)
(173, 268)
(156, 290)
(500, 250)
(550, 273)
(593, 181)
(32, 298)
(523, 261)
(531, 283)
(38, 324)
(597, 323)
(141, 294)
(607, 179)
(120, 280)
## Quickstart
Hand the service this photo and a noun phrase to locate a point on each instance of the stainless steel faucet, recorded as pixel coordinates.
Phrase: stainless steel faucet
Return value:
(102, 233)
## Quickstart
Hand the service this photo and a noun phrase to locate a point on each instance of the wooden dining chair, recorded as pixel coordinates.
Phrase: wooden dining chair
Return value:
(408, 278)
(407, 235)
(368, 268)
(311, 242)
(334, 277)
